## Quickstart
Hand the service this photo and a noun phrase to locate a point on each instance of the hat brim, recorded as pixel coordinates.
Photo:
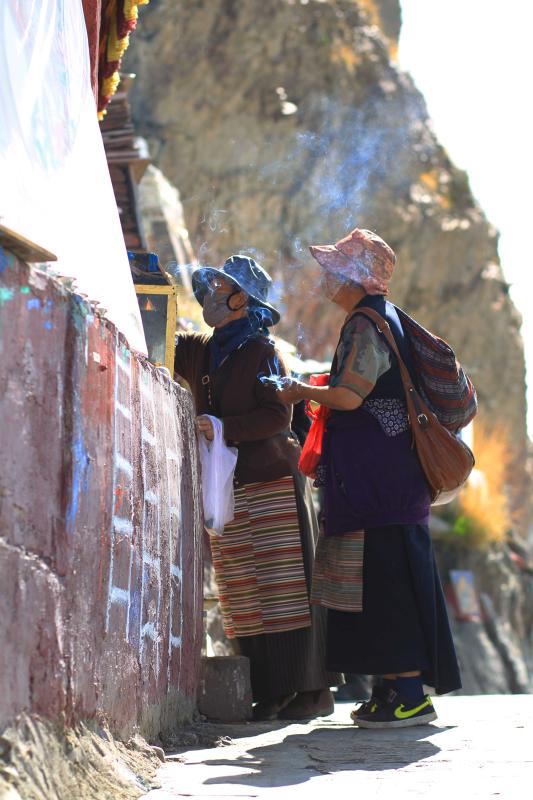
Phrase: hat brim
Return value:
(201, 278)
(329, 257)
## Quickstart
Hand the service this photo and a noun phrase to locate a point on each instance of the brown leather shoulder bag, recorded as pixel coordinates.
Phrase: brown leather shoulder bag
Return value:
(445, 459)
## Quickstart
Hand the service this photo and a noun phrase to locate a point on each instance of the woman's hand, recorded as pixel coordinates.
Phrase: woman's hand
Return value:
(291, 391)
(336, 397)
(205, 426)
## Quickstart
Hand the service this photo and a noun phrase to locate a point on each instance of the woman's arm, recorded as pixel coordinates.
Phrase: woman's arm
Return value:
(336, 397)
(271, 414)
(362, 358)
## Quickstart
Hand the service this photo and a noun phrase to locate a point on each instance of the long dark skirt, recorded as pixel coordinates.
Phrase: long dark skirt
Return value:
(404, 623)
(293, 661)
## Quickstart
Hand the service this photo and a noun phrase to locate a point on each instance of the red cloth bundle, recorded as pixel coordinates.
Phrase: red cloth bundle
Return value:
(312, 449)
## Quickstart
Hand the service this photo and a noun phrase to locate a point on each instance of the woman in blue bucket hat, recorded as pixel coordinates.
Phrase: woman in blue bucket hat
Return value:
(263, 559)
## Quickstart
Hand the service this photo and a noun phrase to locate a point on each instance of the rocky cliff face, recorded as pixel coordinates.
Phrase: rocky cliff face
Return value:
(494, 652)
(287, 123)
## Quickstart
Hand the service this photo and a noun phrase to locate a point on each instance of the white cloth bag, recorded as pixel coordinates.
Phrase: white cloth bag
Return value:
(218, 466)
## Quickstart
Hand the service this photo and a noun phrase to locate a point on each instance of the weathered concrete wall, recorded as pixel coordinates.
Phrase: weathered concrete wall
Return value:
(100, 519)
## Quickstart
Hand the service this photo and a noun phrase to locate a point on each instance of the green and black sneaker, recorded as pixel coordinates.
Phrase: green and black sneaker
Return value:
(396, 713)
(378, 699)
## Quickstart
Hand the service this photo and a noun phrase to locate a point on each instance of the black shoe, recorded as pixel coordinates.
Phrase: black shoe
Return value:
(379, 698)
(396, 713)
(267, 710)
(308, 705)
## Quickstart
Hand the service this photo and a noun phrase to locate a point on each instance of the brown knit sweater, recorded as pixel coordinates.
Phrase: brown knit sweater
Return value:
(255, 420)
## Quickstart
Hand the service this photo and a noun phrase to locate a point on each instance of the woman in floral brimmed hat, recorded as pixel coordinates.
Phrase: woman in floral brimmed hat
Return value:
(263, 558)
(375, 570)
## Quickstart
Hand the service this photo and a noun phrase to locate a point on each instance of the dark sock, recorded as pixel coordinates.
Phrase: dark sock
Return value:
(384, 685)
(389, 683)
(410, 689)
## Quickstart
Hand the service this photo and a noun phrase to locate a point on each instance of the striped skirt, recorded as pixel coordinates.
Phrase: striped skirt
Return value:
(258, 562)
(338, 572)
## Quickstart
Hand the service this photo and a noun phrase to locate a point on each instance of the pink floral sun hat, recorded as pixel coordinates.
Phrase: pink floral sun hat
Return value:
(362, 257)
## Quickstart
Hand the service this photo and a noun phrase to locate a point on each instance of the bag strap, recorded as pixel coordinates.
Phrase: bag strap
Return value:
(206, 381)
(410, 391)
(209, 381)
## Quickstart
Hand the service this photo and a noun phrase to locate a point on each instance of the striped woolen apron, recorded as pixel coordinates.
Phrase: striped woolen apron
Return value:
(259, 564)
(338, 572)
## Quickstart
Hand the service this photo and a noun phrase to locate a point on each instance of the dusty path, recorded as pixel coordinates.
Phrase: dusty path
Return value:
(480, 747)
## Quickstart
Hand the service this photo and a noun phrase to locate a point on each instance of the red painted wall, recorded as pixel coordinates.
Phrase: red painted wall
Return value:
(100, 519)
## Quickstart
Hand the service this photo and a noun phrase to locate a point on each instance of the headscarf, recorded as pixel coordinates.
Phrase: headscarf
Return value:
(362, 257)
(231, 336)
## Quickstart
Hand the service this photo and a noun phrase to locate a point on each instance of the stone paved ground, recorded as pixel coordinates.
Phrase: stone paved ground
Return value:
(480, 747)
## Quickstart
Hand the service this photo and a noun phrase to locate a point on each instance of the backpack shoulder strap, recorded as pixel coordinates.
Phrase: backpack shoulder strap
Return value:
(415, 405)
(384, 328)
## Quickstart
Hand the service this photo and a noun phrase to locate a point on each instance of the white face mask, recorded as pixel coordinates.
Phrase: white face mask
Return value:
(331, 285)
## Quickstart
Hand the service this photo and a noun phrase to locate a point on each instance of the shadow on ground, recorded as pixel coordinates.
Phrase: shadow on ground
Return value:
(326, 750)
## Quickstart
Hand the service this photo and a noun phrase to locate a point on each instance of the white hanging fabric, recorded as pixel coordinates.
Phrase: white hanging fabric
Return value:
(55, 187)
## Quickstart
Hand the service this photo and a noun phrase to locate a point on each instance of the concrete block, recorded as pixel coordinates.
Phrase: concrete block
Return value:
(225, 691)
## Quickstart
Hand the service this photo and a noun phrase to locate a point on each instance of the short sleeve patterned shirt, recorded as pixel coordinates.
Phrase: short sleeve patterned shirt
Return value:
(362, 357)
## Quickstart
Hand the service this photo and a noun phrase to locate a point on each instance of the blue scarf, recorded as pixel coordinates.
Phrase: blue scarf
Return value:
(228, 338)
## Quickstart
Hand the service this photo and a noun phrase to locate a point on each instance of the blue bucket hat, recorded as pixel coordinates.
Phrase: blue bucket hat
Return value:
(247, 275)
